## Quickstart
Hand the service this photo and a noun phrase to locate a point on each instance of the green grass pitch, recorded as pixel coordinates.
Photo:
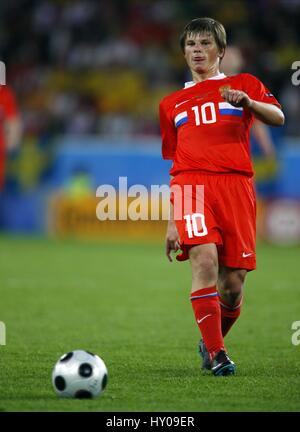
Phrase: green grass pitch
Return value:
(129, 305)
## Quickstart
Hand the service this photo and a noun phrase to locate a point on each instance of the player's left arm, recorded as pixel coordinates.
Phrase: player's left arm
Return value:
(264, 139)
(13, 132)
(266, 112)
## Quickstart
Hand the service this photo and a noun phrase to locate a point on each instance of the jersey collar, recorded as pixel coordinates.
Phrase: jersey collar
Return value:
(216, 77)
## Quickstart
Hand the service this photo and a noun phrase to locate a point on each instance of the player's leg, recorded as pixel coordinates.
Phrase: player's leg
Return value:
(205, 303)
(199, 234)
(237, 254)
(230, 288)
(235, 215)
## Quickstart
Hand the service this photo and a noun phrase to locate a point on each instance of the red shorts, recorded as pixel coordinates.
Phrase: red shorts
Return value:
(225, 214)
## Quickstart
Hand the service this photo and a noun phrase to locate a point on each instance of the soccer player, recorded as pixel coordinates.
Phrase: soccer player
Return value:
(10, 126)
(205, 132)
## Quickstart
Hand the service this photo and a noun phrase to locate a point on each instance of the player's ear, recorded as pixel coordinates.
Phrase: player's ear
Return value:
(221, 54)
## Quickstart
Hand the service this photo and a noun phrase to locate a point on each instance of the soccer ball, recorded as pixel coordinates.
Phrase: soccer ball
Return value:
(79, 374)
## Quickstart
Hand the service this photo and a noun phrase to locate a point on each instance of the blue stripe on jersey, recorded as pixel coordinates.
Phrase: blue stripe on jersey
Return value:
(230, 111)
(181, 118)
(182, 121)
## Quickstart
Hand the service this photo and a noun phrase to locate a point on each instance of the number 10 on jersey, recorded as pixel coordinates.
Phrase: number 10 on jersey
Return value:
(193, 222)
(206, 114)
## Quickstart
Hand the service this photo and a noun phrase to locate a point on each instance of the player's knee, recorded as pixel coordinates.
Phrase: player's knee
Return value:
(232, 286)
(233, 297)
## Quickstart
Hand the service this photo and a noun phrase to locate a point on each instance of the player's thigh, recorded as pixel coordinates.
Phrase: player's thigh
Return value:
(193, 210)
(204, 259)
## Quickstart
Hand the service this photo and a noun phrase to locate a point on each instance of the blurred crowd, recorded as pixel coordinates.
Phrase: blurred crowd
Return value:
(101, 66)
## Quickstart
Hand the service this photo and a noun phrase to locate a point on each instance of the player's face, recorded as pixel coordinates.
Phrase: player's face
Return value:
(202, 53)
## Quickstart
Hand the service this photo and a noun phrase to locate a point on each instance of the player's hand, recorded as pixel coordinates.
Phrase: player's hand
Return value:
(172, 240)
(237, 98)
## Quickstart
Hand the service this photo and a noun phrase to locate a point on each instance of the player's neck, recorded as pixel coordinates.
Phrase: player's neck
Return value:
(199, 77)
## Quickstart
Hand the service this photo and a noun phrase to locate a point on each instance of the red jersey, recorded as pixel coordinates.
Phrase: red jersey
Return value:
(8, 110)
(200, 131)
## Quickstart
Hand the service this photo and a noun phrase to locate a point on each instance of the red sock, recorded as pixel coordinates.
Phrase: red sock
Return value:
(228, 315)
(205, 303)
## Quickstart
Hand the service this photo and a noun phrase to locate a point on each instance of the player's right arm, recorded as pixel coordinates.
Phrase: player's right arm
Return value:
(172, 236)
(168, 130)
(169, 143)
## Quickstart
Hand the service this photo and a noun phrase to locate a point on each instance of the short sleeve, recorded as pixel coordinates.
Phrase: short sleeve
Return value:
(256, 90)
(8, 102)
(168, 133)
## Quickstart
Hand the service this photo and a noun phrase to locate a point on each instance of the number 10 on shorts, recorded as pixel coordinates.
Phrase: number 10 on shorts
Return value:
(193, 222)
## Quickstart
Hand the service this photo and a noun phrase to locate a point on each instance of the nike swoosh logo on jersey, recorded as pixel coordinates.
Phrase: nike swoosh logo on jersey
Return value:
(245, 255)
(177, 105)
(200, 320)
(196, 98)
